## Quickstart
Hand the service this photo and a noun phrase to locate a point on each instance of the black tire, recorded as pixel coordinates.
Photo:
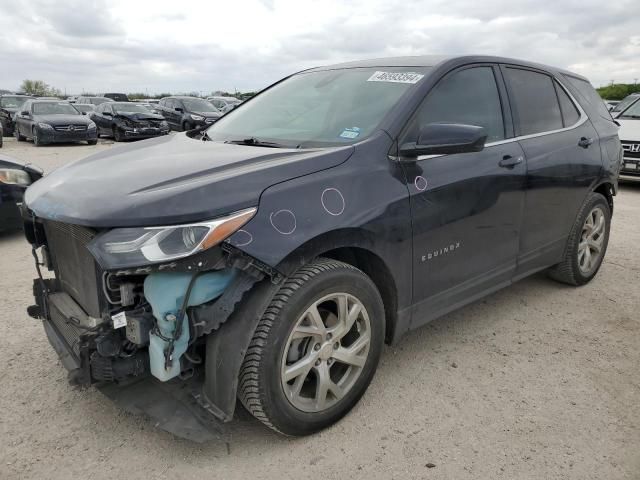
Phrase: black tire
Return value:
(36, 139)
(117, 136)
(92, 142)
(569, 271)
(260, 389)
(186, 126)
(16, 133)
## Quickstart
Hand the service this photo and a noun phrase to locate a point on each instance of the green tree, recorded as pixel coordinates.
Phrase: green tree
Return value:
(39, 88)
(617, 91)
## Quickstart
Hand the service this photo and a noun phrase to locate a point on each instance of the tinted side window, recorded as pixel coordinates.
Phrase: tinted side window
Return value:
(99, 109)
(534, 96)
(570, 114)
(590, 95)
(468, 96)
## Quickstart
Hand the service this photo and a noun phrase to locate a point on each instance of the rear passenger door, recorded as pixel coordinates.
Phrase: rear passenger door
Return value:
(563, 157)
(465, 208)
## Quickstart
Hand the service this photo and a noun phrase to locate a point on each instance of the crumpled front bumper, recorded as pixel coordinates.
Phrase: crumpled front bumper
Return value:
(177, 407)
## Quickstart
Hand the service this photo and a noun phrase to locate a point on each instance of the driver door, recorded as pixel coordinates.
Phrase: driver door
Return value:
(466, 208)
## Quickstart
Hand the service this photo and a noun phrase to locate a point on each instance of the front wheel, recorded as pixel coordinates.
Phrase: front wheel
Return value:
(315, 350)
(587, 243)
(92, 142)
(16, 133)
(187, 126)
(117, 134)
(36, 138)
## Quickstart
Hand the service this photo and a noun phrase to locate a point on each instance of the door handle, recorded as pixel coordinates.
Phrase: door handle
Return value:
(509, 162)
(585, 142)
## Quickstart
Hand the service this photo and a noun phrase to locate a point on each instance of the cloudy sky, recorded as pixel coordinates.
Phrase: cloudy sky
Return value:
(191, 45)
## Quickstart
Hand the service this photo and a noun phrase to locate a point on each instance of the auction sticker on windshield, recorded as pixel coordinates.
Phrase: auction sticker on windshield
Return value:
(396, 77)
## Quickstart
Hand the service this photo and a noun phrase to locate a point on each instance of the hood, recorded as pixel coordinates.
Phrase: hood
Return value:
(61, 119)
(629, 129)
(9, 109)
(137, 116)
(170, 180)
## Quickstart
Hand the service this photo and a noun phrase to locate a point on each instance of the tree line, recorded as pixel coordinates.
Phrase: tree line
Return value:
(617, 91)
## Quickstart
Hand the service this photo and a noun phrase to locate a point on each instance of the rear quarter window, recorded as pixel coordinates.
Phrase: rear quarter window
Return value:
(590, 95)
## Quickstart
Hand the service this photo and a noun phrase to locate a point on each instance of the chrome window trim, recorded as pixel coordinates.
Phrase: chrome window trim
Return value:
(583, 118)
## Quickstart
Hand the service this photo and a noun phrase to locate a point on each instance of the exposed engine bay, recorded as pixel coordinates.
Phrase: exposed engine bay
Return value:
(125, 328)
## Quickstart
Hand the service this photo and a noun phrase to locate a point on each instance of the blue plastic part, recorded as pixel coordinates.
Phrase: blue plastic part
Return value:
(165, 293)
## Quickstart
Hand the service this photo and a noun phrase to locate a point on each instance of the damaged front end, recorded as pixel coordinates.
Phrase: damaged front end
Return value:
(139, 313)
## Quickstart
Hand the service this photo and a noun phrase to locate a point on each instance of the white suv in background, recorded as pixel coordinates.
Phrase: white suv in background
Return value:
(629, 134)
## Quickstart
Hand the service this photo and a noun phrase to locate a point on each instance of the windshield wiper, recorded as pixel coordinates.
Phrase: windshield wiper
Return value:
(630, 116)
(253, 141)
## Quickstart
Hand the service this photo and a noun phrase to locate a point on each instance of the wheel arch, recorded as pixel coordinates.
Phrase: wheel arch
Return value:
(607, 190)
(352, 246)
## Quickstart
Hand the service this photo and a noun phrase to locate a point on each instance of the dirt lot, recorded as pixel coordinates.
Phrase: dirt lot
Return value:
(537, 381)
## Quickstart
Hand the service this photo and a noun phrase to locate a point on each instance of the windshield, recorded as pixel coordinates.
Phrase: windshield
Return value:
(130, 108)
(628, 100)
(321, 108)
(12, 102)
(198, 105)
(54, 108)
(632, 111)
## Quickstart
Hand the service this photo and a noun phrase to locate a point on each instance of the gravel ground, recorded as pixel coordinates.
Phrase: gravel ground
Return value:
(537, 381)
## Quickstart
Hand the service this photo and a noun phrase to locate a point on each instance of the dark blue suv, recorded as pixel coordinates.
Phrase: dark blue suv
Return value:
(270, 256)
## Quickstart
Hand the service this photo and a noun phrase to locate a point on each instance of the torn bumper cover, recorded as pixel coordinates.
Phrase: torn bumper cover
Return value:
(192, 408)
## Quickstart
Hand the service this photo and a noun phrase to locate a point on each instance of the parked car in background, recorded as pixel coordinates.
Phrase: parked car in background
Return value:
(9, 105)
(1, 135)
(48, 121)
(186, 113)
(117, 97)
(224, 104)
(93, 100)
(84, 108)
(15, 177)
(625, 103)
(629, 134)
(269, 257)
(72, 99)
(611, 104)
(128, 121)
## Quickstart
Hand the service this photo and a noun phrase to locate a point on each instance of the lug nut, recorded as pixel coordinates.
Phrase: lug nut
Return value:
(328, 336)
(317, 363)
(336, 346)
(316, 347)
(330, 361)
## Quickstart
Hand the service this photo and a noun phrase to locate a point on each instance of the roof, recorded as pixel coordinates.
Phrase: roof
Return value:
(436, 60)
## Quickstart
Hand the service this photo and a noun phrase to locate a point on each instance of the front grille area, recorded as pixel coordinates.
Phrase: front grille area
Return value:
(149, 123)
(631, 149)
(75, 267)
(70, 128)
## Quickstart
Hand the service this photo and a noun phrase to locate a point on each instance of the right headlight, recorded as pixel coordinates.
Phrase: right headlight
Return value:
(197, 118)
(14, 177)
(133, 247)
(45, 126)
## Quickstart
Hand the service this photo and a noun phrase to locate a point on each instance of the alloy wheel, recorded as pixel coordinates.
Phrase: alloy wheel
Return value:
(591, 243)
(325, 352)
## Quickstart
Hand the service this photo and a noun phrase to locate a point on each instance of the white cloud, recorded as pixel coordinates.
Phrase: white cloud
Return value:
(247, 44)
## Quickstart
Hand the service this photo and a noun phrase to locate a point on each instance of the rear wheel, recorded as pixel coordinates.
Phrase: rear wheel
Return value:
(315, 350)
(92, 142)
(587, 243)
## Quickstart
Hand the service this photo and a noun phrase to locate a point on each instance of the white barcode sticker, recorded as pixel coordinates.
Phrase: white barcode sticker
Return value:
(119, 320)
(396, 77)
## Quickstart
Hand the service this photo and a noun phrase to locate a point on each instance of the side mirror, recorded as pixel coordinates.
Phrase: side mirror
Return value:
(107, 114)
(83, 113)
(178, 109)
(445, 138)
(24, 113)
